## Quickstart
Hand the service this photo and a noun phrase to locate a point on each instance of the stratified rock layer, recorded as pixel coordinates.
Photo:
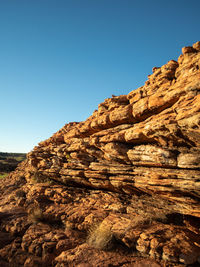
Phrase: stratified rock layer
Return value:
(148, 140)
(132, 169)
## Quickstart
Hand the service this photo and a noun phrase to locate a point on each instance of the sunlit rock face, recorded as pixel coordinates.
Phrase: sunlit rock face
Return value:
(126, 179)
(148, 140)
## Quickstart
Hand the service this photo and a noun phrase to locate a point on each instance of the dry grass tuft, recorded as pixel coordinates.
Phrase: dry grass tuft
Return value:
(38, 177)
(69, 225)
(100, 236)
(35, 215)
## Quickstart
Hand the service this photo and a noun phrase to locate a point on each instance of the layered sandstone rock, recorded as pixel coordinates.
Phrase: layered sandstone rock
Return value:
(133, 168)
(148, 140)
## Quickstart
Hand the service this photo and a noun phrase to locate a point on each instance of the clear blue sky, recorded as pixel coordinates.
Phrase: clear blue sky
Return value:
(60, 58)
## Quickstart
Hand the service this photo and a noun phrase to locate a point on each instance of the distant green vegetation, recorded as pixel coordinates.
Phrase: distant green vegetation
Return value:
(9, 161)
(16, 156)
(3, 175)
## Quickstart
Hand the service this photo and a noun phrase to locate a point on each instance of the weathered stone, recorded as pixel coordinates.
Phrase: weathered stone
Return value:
(131, 168)
(188, 49)
(148, 155)
(196, 45)
(189, 160)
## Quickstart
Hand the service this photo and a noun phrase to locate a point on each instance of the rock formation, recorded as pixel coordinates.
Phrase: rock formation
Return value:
(116, 188)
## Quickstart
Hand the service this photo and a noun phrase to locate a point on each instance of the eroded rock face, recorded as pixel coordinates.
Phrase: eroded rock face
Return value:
(155, 126)
(131, 171)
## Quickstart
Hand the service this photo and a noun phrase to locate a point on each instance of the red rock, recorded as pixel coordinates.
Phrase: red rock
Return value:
(188, 49)
(196, 45)
(132, 168)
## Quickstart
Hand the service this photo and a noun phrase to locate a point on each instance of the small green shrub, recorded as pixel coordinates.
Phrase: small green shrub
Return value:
(68, 156)
(40, 178)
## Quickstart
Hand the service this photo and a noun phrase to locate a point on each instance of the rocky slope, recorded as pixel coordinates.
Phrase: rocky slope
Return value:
(119, 189)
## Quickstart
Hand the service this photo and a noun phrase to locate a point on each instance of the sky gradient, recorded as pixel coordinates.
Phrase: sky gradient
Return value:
(60, 58)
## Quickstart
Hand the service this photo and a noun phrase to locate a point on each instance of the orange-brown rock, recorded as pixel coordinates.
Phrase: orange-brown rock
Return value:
(154, 126)
(122, 185)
